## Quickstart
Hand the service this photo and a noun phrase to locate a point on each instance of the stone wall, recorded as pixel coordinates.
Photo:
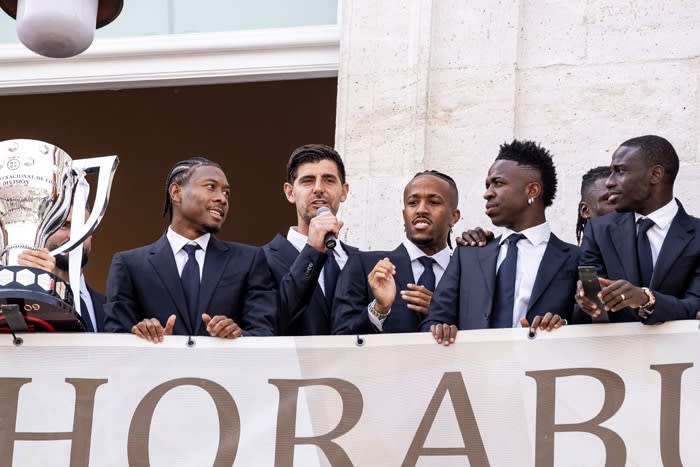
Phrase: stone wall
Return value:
(440, 84)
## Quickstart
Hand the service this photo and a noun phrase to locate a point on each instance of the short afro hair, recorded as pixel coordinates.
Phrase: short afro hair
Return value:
(532, 155)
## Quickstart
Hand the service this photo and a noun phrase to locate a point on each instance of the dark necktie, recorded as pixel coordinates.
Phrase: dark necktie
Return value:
(331, 270)
(85, 314)
(427, 278)
(502, 314)
(646, 265)
(190, 282)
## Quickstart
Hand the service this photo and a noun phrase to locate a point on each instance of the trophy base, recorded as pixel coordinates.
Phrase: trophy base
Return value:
(44, 300)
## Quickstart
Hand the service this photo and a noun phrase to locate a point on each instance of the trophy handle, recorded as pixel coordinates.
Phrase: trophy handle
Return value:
(106, 167)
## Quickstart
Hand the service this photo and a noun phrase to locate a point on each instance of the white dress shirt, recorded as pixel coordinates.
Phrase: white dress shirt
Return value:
(662, 218)
(299, 241)
(177, 241)
(442, 259)
(530, 252)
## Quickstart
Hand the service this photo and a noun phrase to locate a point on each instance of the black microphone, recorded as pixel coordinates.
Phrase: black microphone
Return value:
(329, 240)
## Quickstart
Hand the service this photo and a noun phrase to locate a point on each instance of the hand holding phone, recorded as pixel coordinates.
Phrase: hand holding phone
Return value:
(589, 280)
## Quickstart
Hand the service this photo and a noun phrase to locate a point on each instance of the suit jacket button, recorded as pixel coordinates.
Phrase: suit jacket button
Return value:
(309, 269)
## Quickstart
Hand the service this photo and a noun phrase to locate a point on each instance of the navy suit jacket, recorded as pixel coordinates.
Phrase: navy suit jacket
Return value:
(464, 296)
(98, 301)
(354, 294)
(236, 282)
(609, 244)
(302, 304)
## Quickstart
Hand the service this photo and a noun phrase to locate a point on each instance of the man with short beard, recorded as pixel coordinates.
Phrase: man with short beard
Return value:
(391, 291)
(306, 270)
(189, 282)
(92, 302)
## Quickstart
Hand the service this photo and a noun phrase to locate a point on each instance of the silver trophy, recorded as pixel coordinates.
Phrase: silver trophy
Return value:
(38, 185)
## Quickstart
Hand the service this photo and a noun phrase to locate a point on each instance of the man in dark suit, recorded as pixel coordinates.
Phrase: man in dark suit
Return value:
(305, 269)
(391, 291)
(647, 252)
(521, 277)
(92, 302)
(189, 282)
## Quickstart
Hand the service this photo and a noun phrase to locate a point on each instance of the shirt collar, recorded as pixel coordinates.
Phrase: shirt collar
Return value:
(297, 239)
(177, 241)
(442, 257)
(662, 216)
(535, 235)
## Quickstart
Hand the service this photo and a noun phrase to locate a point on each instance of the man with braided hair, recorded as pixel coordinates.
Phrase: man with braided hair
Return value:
(594, 198)
(189, 282)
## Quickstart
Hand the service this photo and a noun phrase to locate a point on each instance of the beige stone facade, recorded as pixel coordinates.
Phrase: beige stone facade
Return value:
(441, 83)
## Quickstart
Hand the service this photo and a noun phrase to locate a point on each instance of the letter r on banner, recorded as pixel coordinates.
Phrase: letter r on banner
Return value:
(287, 420)
(85, 390)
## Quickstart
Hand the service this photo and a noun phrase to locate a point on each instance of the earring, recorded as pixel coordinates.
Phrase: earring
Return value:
(530, 200)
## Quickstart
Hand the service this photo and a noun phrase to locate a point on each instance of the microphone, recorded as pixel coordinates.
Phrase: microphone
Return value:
(329, 240)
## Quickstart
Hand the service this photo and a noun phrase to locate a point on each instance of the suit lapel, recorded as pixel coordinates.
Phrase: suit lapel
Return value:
(163, 262)
(283, 250)
(553, 259)
(214, 264)
(488, 256)
(623, 235)
(680, 233)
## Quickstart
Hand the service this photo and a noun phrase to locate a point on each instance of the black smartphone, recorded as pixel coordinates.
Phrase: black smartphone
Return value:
(589, 279)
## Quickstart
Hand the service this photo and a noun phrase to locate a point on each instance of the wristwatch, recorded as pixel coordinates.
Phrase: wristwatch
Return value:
(646, 310)
(378, 315)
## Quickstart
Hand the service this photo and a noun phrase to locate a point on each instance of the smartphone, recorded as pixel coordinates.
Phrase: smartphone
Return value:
(589, 279)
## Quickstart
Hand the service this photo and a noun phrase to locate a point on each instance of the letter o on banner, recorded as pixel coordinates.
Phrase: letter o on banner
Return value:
(229, 421)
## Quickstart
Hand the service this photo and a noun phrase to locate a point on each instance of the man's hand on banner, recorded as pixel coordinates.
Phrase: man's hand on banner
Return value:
(444, 334)
(151, 329)
(548, 322)
(221, 326)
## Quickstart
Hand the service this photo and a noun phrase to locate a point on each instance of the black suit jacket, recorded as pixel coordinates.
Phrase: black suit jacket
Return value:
(609, 244)
(236, 282)
(354, 294)
(302, 304)
(98, 301)
(465, 294)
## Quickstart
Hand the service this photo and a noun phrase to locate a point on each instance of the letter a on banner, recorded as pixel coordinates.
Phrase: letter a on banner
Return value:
(452, 384)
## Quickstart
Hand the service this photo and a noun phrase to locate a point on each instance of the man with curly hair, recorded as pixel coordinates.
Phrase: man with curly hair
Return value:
(521, 278)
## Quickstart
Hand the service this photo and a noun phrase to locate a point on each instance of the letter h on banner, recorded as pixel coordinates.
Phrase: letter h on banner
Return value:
(80, 437)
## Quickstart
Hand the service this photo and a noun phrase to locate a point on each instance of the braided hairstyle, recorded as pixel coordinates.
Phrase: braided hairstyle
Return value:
(180, 174)
(453, 186)
(587, 182)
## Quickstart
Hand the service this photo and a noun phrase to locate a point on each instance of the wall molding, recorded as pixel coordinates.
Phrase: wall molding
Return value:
(176, 59)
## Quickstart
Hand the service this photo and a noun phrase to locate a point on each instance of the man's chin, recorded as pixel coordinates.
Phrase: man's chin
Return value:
(421, 240)
(212, 228)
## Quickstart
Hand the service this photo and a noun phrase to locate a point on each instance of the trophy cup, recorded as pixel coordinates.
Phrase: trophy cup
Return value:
(38, 185)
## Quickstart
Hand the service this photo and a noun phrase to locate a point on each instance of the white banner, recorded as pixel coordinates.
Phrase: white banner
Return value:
(611, 394)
